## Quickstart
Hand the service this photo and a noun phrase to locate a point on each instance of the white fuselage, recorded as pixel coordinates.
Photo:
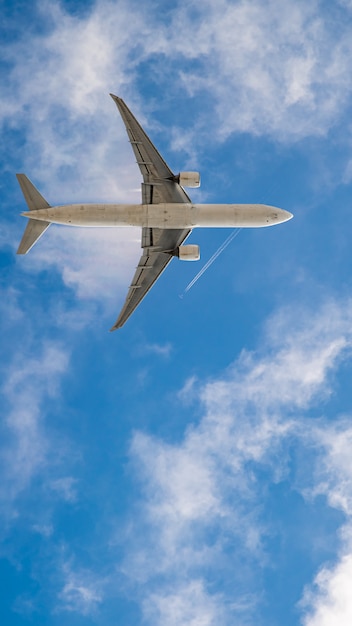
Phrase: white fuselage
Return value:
(163, 215)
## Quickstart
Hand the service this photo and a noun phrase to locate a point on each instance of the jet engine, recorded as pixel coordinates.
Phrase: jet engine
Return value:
(188, 179)
(190, 252)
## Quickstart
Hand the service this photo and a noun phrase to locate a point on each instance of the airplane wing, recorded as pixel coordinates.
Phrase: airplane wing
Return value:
(158, 186)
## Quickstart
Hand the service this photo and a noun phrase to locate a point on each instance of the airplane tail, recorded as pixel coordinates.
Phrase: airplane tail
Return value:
(35, 228)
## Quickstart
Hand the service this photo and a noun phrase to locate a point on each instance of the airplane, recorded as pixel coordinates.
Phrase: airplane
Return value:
(166, 214)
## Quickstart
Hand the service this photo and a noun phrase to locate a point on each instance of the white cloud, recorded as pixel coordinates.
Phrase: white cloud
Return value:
(334, 477)
(163, 350)
(205, 494)
(345, 3)
(29, 382)
(72, 129)
(35, 464)
(189, 605)
(188, 393)
(98, 263)
(45, 530)
(81, 592)
(65, 487)
(330, 600)
(64, 108)
(347, 174)
(280, 73)
(30, 387)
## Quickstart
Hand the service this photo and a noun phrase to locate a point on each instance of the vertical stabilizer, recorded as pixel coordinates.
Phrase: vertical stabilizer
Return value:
(34, 228)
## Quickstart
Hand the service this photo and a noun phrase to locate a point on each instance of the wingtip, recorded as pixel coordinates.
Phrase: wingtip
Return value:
(117, 325)
(118, 101)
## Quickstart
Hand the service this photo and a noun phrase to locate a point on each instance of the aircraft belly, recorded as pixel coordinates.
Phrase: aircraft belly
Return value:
(109, 215)
(238, 215)
(170, 215)
(165, 216)
(93, 215)
(162, 215)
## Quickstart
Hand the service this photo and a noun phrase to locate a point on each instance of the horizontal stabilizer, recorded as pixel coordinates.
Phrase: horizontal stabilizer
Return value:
(34, 230)
(32, 196)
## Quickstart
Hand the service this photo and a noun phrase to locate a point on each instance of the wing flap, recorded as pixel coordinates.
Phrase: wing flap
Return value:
(149, 268)
(151, 265)
(159, 184)
(150, 162)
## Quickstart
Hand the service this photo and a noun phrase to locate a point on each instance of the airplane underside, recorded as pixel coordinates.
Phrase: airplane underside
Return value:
(166, 214)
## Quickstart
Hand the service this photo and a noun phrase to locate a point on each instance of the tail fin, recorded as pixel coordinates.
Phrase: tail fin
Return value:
(35, 228)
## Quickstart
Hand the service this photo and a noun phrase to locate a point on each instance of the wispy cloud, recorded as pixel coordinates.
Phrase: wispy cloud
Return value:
(189, 392)
(278, 73)
(162, 350)
(29, 383)
(96, 263)
(283, 74)
(65, 487)
(206, 493)
(81, 592)
(64, 109)
(329, 601)
(38, 470)
(188, 604)
(201, 520)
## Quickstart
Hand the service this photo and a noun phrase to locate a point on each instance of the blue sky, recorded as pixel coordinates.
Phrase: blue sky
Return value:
(193, 468)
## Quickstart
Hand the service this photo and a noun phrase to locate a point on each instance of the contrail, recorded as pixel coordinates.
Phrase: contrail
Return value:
(224, 245)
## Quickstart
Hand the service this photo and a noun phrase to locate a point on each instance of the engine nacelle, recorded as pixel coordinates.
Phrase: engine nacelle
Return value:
(188, 179)
(190, 252)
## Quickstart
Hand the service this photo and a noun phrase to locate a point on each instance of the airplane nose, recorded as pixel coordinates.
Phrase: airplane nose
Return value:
(280, 215)
(287, 215)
